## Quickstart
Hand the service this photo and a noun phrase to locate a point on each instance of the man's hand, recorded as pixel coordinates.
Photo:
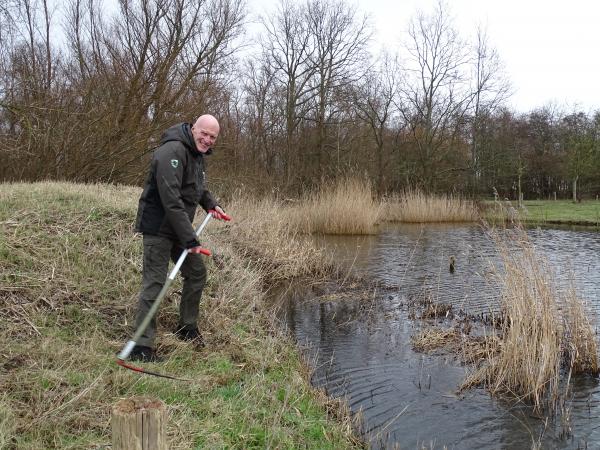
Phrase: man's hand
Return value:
(199, 250)
(218, 213)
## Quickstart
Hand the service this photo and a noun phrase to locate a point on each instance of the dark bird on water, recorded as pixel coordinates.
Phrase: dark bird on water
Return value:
(452, 261)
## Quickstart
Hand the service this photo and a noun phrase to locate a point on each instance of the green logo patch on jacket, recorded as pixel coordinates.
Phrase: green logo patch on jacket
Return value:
(175, 163)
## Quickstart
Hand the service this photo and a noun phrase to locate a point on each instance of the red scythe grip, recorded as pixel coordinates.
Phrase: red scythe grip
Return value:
(201, 250)
(218, 215)
(205, 251)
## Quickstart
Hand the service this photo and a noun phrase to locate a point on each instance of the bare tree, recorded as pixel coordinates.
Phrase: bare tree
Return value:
(436, 95)
(287, 50)
(264, 123)
(373, 101)
(490, 89)
(340, 58)
(119, 83)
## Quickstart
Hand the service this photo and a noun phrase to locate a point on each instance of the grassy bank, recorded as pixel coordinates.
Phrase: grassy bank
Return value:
(551, 212)
(70, 273)
(562, 211)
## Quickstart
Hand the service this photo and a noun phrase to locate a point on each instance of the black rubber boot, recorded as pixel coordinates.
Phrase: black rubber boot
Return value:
(144, 354)
(190, 335)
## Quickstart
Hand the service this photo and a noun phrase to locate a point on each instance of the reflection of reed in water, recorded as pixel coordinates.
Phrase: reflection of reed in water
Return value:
(452, 261)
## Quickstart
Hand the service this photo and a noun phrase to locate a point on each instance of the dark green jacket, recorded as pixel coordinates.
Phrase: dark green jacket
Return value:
(174, 187)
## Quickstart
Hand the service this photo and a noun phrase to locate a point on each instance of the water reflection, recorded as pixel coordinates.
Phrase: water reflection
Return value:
(362, 351)
(415, 259)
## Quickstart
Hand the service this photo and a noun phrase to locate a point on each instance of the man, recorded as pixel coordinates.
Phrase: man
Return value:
(174, 187)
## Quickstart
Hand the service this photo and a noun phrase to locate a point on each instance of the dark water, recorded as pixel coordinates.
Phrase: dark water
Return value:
(361, 346)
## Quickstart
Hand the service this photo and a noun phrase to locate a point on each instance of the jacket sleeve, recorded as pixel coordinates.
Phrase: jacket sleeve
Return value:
(169, 177)
(207, 201)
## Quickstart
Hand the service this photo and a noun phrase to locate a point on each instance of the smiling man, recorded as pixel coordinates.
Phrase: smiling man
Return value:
(174, 187)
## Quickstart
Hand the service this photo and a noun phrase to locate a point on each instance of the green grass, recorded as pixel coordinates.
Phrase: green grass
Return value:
(69, 275)
(562, 211)
(539, 212)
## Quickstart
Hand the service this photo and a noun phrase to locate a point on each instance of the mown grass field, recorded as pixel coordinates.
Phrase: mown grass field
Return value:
(562, 211)
(551, 212)
(70, 268)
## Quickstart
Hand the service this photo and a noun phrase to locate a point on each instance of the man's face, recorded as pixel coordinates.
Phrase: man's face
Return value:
(205, 134)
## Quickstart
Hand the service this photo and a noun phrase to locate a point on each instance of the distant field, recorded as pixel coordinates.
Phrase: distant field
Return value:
(562, 211)
(556, 212)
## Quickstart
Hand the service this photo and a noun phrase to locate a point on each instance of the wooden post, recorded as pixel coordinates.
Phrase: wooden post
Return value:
(139, 423)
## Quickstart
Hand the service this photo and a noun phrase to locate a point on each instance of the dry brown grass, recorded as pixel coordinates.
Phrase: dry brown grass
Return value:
(454, 340)
(7, 422)
(581, 349)
(433, 338)
(69, 276)
(345, 206)
(263, 231)
(536, 340)
(414, 206)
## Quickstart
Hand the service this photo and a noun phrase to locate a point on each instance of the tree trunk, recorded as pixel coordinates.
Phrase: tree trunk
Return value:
(575, 189)
(520, 193)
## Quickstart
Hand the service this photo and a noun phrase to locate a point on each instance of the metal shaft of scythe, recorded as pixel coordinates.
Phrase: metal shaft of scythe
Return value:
(130, 344)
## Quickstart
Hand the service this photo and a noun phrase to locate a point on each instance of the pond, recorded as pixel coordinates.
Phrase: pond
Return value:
(360, 345)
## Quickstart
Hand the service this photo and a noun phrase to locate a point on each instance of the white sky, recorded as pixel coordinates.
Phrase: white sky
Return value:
(550, 48)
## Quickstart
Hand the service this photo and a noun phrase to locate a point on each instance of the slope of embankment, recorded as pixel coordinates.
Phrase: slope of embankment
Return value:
(70, 268)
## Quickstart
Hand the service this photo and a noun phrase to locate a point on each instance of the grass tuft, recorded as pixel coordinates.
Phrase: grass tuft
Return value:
(541, 331)
(7, 422)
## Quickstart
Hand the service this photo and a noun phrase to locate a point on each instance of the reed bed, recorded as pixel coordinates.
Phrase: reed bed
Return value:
(346, 206)
(542, 333)
(414, 206)
(265, 233)
(529, 361)
(581, 347)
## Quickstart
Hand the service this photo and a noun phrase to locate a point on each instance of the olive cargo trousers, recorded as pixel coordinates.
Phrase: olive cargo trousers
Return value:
(157, 252)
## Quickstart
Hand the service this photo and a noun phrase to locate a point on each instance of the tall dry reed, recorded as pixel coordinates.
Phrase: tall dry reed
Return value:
(263, 231)
(345, 206)
(414, 206)
(541, 332)
(581, 348)
(529, 359)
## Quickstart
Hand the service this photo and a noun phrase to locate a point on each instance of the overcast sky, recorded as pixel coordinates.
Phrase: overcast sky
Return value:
(550, 48)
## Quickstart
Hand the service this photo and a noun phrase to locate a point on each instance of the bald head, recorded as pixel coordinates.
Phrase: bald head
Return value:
(205, 131)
